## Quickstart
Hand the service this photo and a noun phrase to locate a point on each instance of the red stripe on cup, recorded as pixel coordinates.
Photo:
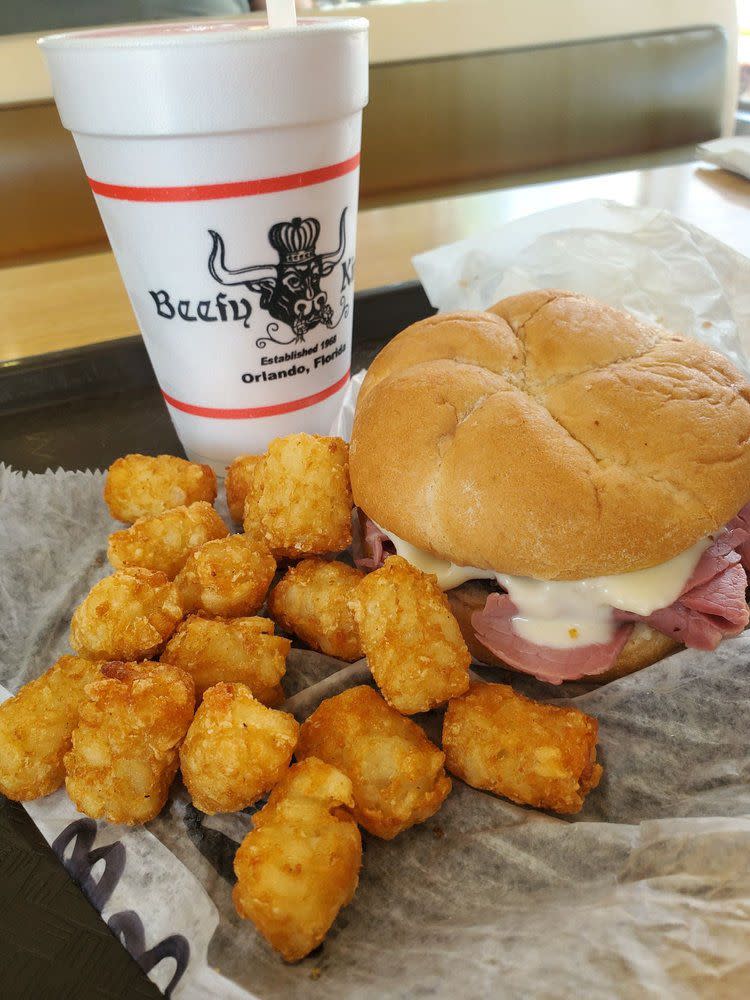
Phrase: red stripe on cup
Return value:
(234, 189)
(252, 412)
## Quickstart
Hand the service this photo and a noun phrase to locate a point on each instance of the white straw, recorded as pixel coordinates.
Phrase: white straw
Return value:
(281, 14)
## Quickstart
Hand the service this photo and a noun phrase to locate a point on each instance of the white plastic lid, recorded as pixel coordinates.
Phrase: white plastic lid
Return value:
(208, 76)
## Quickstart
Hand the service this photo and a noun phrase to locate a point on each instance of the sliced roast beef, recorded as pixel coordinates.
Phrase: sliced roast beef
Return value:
(722, 597)
(373, 546)
(708, 613)
(712, 607)
(494, 630)
(739, 527)
(719, 556)
(694, 629)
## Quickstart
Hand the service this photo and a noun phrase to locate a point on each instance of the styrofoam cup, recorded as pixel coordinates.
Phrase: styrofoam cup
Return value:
(224, 159)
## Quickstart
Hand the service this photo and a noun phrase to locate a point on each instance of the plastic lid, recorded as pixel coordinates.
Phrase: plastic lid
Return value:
(207, 76)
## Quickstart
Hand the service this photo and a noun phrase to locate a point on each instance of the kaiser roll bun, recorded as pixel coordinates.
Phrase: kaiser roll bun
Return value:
(552, 436)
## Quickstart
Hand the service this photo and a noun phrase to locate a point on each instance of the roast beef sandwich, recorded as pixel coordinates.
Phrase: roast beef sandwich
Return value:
(577, 480)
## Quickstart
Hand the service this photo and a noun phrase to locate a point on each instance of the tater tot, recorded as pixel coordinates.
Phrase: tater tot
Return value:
(36, 725)
(228, 577)
(397, 775)
(534, 754)
(251, 523)
(304, 495)
(312, 601)
(235, 750)
(162, 542)
(239, 484)
(126, 616)
(142, 485)
(124, 753)
(253, 527)
(239, 650)
(300, 865)
(410, 637)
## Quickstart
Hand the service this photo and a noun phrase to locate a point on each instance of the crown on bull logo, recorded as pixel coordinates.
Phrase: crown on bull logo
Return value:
(295, 241)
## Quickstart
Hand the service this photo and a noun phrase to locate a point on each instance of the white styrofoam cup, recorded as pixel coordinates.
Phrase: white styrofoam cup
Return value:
(224, 159)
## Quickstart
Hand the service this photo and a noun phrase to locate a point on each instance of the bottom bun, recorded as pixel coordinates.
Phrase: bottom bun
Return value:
(644, 647)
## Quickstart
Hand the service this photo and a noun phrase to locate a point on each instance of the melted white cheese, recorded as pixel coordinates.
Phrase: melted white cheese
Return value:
(448, 574)
(565, 614)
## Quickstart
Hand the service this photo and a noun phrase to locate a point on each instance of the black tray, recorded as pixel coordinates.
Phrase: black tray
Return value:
(82, 409)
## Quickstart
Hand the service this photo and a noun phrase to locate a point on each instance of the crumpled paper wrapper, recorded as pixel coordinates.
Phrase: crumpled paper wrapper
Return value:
(644, 260)
(731, 152)
(645, 893)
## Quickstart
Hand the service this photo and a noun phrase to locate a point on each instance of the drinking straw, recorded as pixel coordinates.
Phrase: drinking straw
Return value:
(281, 14)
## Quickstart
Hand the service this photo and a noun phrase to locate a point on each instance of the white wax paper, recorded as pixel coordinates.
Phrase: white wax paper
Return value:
(644, 894)
(342, 425)
(732, 153)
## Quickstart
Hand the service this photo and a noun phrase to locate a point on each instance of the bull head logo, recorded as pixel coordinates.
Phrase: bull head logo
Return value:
(289, 290)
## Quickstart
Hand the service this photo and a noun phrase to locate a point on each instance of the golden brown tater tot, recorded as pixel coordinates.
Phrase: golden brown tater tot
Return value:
(304, 497)
(162, 542)
(397, 775)
(410, 637)
(235, 750)
(126, 616)
(300, 865)
(36, 725)
(140, 485)
(534, 754)
(312, 601)
(239, 650)
(124, 753)
(239, 484)
(228, 577)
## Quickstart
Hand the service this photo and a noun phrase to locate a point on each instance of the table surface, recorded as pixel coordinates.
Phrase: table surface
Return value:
(79, 300)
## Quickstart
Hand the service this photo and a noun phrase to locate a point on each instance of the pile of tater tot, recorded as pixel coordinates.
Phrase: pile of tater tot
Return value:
(176, 667)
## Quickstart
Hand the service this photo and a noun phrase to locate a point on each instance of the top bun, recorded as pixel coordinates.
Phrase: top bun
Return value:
(552, 436)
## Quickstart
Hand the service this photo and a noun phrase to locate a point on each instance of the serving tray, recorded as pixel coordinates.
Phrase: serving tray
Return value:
(82, 409)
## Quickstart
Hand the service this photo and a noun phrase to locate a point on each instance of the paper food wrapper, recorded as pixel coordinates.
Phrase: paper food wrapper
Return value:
(732, 153)
(645, 893)
(644, 260)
